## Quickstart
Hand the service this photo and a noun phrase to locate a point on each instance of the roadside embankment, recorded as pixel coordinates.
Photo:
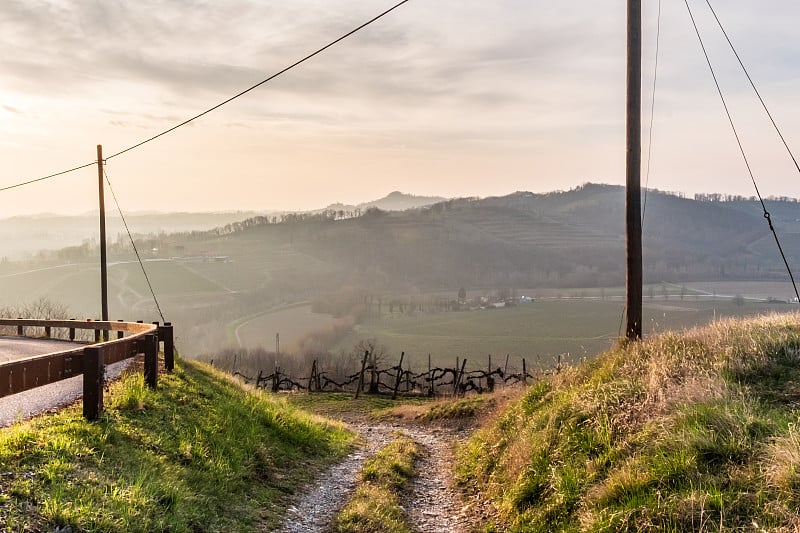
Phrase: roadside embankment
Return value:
(200, 453)
(692, 431)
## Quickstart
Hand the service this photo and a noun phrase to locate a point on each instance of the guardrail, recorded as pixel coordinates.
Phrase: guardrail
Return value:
(133, 338)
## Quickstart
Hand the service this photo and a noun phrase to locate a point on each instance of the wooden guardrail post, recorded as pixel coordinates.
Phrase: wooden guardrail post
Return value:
(169, 345)
(151, 360)
(93, 377)
(47, 332)
(120, 333)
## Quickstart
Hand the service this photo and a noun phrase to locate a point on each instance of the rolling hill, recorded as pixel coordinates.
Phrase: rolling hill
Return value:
(566, 239)
(209, 280)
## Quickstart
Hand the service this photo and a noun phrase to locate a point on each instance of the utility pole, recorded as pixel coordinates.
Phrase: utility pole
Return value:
(103, 259)
(278, 343)
(633, 200)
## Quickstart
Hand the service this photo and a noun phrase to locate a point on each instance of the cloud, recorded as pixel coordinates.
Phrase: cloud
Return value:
(13, 110)
(446, 77)
(194, 49)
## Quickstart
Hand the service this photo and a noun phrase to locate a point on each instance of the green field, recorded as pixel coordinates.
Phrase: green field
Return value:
(292, 323)
(538, 331)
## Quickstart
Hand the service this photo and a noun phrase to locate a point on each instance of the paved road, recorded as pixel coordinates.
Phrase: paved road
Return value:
(12, 348)
(41, 399)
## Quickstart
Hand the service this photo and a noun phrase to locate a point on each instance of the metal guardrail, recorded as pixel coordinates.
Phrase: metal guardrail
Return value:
(133, 338)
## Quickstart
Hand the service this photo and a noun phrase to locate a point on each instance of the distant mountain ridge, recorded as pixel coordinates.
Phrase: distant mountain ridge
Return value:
(572, 238)
(394, 201)
(27, 234)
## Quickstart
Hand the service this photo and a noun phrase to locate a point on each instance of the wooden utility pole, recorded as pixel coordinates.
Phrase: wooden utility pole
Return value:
(633, 200)
(103, 259)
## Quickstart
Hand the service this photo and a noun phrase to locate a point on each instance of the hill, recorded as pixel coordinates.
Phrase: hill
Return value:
(26, 235)
(394, 201)
(210, 282)
(691, 431)
(561, 239)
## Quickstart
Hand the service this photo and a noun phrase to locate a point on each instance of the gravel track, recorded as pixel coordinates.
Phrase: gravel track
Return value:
(431, 503)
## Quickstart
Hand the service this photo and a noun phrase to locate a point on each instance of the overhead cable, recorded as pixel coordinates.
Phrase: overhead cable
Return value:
(753, 85)
(133, 243)
(209, 110)
(262, 82)
(652, 112)
(47, 177)
(767, 215)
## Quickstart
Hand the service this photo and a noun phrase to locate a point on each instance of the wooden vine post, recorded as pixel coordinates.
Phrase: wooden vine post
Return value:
(361, 374)
(399, 376)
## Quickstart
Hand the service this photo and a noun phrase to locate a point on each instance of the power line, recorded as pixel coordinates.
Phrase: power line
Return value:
(262, 82)
(47, 177)
(652, 113)
(767, 215)
(209, 110)
(133, 243)
(753, 85)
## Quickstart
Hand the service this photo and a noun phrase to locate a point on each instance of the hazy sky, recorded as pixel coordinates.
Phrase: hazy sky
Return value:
(442, 97)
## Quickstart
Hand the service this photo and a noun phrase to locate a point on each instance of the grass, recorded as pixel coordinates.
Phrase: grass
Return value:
(375, 505)
(198, 454)
(683, 432)
(538, 331)
(414, 408)
(440, 411)
(292, 322)
(337, 404)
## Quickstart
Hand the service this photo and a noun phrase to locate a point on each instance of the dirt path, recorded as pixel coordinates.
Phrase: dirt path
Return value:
(432, 504)
(318, 506)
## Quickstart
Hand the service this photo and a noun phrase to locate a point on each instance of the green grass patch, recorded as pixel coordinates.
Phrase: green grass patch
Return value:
(375, 506)
(337, 404)
(682, 432)
(416, 408)
(455, 409)
(538, 331)
(198, 454)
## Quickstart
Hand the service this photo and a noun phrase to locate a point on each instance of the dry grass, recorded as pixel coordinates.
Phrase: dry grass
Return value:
(782, 464)
(682, 432)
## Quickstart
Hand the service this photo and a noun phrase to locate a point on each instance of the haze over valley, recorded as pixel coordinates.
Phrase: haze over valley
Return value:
(541, 273)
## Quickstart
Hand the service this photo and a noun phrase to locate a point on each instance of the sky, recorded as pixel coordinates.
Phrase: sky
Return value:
(441, 97)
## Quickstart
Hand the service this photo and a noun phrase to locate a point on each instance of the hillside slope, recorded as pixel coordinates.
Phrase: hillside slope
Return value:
(692, 431)
(566, 239)
(200, 453)
(208, 281)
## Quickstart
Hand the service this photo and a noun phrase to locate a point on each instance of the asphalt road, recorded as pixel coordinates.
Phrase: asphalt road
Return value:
(12, 348)
(49, 397)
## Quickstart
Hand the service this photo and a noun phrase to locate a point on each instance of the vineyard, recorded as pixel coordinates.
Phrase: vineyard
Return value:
(394, 380)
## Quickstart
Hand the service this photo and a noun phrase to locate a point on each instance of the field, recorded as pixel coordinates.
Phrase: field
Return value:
(242, 303)
(292, 323)
(539, 331)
